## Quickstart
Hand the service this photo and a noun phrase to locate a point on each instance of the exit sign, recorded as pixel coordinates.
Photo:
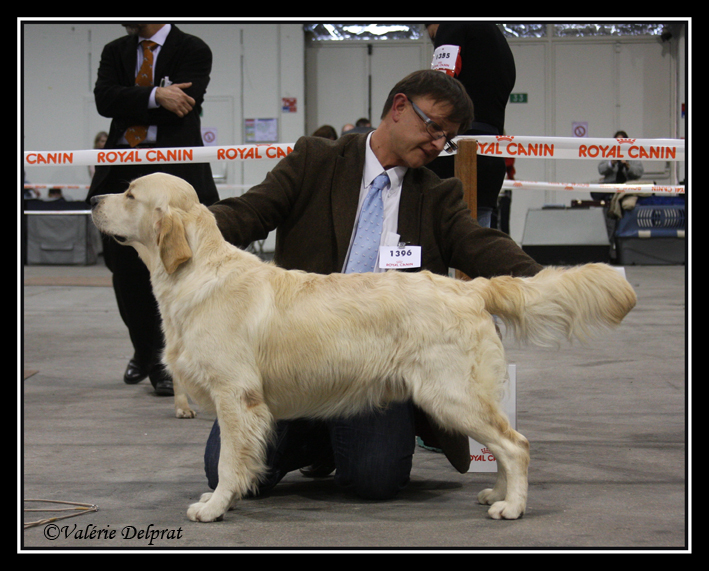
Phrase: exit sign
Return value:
(518, 98)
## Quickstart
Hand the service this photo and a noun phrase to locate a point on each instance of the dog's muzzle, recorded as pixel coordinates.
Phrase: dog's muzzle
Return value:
(94, 202)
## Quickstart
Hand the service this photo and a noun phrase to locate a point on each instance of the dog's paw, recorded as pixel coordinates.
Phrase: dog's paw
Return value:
(490, 496)
(204, 512)
(182, 413)
(505, 510)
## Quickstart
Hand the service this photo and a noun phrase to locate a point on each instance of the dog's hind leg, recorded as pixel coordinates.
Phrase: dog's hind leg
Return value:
(472, 408)
(245, 424)
(508, 497)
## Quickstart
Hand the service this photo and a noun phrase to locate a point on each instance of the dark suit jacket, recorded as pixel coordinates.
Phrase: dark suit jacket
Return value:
(311, 197)
(183, 58)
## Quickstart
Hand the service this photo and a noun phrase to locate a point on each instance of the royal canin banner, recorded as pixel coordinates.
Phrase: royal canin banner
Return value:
(503, 146)
(579, 148)
(101, 157)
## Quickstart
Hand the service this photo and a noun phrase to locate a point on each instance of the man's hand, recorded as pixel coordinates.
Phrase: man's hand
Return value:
(174, 99)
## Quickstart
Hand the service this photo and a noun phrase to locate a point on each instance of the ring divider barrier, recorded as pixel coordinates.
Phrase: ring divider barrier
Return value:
(466, 169)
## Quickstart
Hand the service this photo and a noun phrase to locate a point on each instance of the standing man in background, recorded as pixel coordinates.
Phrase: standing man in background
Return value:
(151, 83)
(477, 54)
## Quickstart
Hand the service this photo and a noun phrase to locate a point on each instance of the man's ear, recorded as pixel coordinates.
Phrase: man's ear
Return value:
(398, 105)
(171, 238)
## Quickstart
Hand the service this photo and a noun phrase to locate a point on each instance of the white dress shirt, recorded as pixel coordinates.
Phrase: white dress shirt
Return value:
(159, 38)
(390, 196)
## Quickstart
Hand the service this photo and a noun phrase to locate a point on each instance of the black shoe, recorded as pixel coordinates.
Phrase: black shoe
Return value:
(164, 388)
(135, 372)
(319, 469)
(161, 381)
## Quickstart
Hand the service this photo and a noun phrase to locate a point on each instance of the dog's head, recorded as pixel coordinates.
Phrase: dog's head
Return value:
(149, 216)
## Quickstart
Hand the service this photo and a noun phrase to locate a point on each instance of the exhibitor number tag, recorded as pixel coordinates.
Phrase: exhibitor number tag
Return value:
(399, 257)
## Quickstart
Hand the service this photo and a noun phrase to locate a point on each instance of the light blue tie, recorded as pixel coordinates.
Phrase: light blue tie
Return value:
(369, 229)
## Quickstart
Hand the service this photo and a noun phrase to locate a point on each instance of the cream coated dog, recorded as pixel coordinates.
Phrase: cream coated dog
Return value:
(256, 343)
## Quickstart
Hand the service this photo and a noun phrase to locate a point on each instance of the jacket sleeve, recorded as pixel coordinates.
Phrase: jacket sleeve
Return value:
(473, 249)
(117, 96)
(264, 207)
(190, 63)
(635, 170)
(115, 92)
(605, 167)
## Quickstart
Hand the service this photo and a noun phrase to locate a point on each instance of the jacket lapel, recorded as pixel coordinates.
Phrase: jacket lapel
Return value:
(346, 183)
(167, 52)
(409, 226)
(129, 56)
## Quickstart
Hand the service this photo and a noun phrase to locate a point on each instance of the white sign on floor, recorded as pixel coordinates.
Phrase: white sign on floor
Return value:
(481, 459)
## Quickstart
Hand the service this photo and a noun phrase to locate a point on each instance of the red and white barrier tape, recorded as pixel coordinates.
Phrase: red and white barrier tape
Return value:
(45, 186)
(504, 146)
(152, 156)
(591, 187)
(579, 148)
(507, 184)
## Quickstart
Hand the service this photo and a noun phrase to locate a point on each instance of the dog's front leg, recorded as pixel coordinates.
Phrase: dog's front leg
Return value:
(245, 424)
(182, 404)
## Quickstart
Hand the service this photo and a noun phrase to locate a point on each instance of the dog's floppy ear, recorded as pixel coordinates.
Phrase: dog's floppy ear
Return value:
(172, 241)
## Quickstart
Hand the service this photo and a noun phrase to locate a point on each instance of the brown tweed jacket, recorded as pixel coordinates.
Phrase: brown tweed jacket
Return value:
(310, 198)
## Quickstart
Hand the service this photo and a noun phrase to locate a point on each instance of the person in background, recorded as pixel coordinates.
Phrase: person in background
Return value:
(477, 54)
(151, 83)
(362, 125)
(55, 194)
(619, 172)
(99, 143)
(326, 131)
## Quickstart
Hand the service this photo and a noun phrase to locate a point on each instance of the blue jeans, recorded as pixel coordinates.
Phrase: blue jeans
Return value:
(484, 216)
(373, 451)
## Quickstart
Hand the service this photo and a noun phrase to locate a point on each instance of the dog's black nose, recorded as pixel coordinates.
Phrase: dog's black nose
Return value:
(94, 200)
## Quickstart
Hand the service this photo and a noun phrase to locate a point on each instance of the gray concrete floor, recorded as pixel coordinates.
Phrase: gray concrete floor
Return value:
(607, 424)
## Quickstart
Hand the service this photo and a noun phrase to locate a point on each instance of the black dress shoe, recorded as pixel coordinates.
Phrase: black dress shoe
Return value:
(135, 372)
(161, 381)
(164, 388)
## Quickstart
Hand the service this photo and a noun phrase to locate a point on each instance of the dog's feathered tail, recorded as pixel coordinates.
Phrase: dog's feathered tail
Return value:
(559, 303)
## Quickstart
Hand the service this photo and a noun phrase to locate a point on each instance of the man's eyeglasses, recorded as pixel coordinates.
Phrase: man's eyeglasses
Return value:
(434, 129)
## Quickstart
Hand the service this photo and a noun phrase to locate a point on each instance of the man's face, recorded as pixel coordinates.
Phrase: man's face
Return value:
(411, 141)
(133, 28)
(141, 29)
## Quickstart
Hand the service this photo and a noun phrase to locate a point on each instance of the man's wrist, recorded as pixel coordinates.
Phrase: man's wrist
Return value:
(153, 102)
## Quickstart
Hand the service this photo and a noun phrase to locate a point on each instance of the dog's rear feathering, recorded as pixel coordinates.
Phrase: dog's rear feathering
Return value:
(559, 304)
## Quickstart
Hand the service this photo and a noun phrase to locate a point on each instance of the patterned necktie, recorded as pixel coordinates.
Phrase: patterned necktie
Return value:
(369, 229)
(137, 133)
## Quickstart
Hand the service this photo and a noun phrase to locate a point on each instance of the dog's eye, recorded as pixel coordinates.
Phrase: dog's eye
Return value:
(129, 195)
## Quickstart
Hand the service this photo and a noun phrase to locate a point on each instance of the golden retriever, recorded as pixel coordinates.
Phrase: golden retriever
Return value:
(256, 343)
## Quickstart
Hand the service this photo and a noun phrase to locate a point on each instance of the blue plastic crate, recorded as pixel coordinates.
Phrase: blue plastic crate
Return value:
(653, 221)
(652, 234)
